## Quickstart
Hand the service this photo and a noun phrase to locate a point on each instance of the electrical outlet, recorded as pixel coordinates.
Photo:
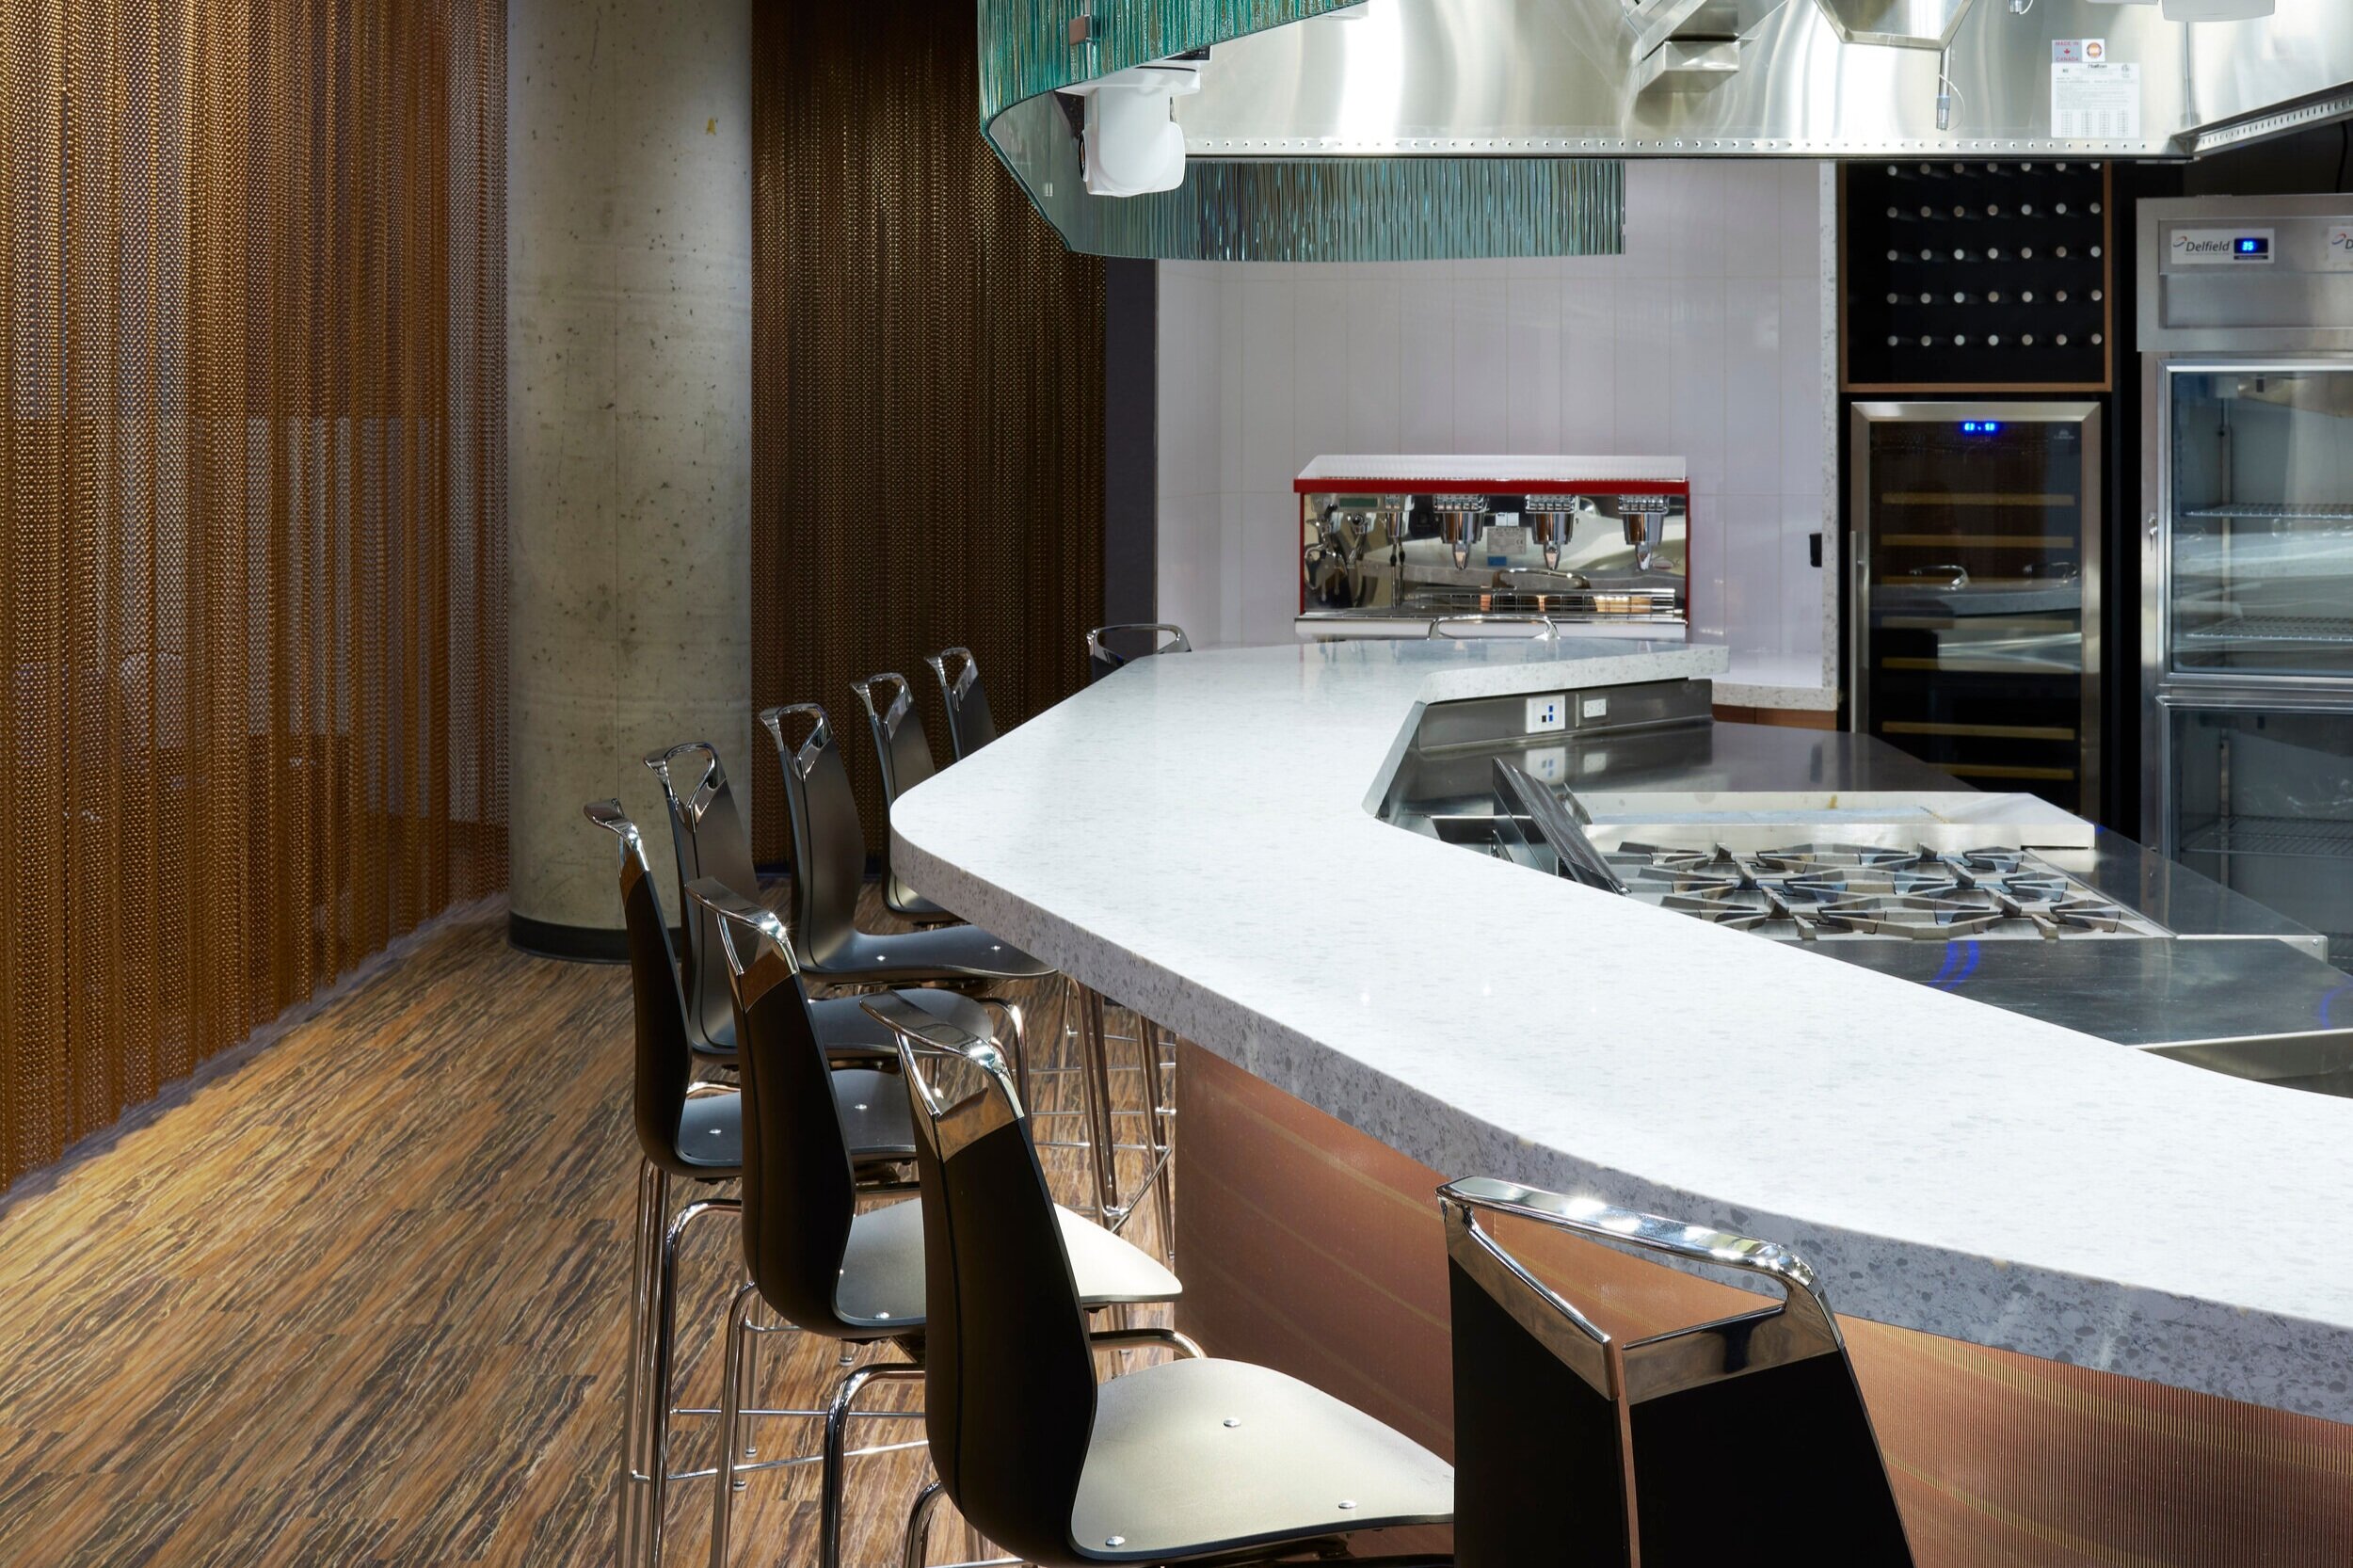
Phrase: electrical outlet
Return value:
(1547, 764)
(1546, 713)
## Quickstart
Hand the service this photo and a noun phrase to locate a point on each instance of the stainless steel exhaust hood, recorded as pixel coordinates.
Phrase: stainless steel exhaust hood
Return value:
(1394, 129)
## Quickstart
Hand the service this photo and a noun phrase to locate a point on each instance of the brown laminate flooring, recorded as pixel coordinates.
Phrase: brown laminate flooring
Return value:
(360, 1299)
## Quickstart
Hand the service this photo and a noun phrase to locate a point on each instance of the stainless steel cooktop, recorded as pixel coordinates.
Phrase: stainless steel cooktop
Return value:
(1818, 892)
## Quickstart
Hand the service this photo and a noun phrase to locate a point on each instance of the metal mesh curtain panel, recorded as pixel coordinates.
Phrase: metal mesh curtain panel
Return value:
(252, 581)
(927, 383)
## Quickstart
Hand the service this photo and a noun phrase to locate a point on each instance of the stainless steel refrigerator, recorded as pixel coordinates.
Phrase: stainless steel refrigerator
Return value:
(2246, 621)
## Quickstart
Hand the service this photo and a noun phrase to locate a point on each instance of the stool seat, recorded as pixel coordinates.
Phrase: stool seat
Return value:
(1193, 1458)
(943, 954)
(844, 1029)
(882, 1269)
(873, 1106)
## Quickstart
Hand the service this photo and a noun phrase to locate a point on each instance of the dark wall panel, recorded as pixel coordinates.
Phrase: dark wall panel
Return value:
(928, 388)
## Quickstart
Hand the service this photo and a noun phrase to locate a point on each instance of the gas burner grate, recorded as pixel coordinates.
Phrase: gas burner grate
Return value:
(1922, 919)
(1998, 862)
(1808, 857)
(1899, 882)
(2032, 887)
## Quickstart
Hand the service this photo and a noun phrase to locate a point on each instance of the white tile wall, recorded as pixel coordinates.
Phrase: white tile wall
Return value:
(1707, 339)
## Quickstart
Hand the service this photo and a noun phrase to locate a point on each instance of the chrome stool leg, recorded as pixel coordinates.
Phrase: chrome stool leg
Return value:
(1116, 1204)
(830, 1478)
(653, 1203)
(655, 1482)
(1160, 1140)
(919, 1536)
(731, 1400)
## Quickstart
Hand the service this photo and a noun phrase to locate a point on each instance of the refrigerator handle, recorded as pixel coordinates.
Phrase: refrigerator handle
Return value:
(2153, 529)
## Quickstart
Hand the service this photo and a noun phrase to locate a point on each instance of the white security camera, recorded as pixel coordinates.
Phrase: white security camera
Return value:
(1133, 142)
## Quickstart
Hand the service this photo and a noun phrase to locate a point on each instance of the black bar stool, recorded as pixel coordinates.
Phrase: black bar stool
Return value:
(1677, 1441)
(970, 724)
(904, 753)
(818, 1262)
(1183, 1461)
(691, 1131)
(708, 833)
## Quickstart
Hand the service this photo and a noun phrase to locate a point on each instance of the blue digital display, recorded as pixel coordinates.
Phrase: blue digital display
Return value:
(1980, 426)
(2251, 245)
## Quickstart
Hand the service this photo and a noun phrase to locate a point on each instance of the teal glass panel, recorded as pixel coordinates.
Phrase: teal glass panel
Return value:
(1371, 209)
(1026, 48)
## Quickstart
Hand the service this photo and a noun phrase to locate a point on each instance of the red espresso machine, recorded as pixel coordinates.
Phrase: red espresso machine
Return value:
(1468, 546)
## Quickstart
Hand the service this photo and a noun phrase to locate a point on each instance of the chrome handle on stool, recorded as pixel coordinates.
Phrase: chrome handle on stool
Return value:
(820, 733)
(893, 715)
(1800, 1326)
(1101, 653)
(695, 802)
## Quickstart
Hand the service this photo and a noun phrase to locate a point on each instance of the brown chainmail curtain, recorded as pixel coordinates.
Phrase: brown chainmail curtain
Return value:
(253, 556)
(927, 386)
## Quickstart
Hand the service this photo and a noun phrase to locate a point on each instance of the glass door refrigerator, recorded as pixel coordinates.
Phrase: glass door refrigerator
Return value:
(2247, 331)
(1975, 553)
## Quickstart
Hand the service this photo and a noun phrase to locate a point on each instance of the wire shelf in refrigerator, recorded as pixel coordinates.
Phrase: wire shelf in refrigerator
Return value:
(2290, 838)
(2320, 630)
(2316, 512)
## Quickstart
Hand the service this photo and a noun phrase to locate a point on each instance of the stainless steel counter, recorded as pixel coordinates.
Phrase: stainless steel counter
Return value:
(2240, 988)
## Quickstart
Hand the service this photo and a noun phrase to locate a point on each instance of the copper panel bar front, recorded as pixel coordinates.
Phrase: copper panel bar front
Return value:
(1309, 1246)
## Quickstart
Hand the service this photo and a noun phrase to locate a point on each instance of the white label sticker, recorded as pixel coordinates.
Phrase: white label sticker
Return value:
(2095, 102)
(2339, 257)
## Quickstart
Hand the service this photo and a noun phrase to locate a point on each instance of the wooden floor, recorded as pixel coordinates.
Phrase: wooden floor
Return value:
(359, 1300)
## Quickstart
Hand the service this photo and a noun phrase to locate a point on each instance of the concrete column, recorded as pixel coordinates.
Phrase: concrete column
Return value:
(630, 428)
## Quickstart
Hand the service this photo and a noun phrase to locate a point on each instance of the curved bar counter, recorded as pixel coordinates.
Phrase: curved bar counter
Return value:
(1193, 839)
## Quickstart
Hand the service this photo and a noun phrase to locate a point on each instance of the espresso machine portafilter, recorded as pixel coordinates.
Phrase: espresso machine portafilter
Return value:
(1645, 521)
(1461, 518)
(1554, 520)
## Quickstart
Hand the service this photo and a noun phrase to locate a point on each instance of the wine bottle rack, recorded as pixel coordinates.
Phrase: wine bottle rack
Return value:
(1976, 277)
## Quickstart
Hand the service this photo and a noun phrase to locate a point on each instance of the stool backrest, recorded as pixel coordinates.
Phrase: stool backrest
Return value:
(664, 1063)
(829, 844)
(970, 724)
(1008, 1374)
(799, 1193)
(902, 749)
(709, 836)
(1754, 1415)
(1532, 1376)
(1109, 648)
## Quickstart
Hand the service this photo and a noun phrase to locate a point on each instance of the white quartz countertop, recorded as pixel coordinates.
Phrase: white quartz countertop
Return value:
(1779, 681)
(1192, 837)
